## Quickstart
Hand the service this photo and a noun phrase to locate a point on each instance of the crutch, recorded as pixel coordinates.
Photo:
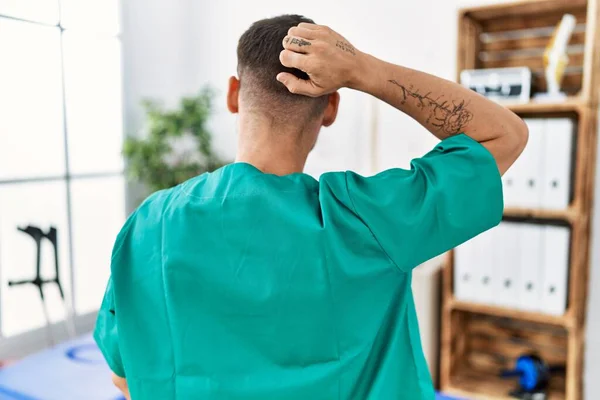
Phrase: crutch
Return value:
(38, 235)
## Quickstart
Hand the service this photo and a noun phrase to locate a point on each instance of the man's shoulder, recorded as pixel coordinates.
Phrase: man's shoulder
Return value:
(161, 198)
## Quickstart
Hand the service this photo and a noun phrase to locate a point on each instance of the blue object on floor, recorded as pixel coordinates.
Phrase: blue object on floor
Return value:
(70, 371)
(74, 370)
(441, 396)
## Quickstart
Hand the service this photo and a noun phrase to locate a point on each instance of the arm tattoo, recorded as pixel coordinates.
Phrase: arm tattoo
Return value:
(447, 116)
(346, 47)
(299, 42)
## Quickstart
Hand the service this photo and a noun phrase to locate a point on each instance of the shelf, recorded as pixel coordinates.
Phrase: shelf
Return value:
(472, 384)
(571, 104)
(563, 320)
(569, 215)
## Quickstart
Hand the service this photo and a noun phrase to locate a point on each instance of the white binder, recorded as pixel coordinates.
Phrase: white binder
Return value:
(555, 269)
(523, 181)
(483, 268)
(530, 166)
(509, 185)
(506, 275)
(464, 261)
(530, 266)
(558, 140)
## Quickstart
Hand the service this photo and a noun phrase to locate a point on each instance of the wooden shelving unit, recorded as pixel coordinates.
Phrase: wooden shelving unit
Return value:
(477, 341)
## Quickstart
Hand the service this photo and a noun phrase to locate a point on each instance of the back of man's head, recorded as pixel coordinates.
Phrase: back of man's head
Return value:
(258, 65)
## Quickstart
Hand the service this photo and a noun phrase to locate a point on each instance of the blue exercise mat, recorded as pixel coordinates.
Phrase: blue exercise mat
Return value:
(74, 370)
(69, 371)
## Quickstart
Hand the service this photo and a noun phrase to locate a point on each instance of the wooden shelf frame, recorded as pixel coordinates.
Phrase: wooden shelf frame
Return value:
(569, 215)
(570, 105)
(566, 321)
(582, 106)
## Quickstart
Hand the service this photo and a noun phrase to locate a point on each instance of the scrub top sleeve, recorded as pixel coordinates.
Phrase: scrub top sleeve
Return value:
(106, 332)
(447, 197)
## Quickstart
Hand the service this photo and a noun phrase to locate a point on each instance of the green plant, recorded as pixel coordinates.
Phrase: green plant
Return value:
(177, 145)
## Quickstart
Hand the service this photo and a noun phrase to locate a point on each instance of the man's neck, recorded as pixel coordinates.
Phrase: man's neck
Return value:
(273, 148)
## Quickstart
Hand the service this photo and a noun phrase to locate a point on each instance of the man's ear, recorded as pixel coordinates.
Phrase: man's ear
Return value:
(233, 93)
(333, 103)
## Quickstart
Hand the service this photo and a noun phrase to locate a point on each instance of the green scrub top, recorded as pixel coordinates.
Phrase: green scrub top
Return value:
(243, 285)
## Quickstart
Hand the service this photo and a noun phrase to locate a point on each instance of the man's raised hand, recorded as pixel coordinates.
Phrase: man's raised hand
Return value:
(330, 61)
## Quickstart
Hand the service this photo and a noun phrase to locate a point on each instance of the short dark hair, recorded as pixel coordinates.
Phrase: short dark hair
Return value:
(258, 64)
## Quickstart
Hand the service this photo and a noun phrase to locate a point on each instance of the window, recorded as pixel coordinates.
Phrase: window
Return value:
(60, 153)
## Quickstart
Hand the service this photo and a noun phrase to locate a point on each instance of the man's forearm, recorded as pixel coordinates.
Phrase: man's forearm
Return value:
(445, 108)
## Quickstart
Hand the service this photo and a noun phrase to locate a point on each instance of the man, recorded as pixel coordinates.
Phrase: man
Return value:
(259, 282)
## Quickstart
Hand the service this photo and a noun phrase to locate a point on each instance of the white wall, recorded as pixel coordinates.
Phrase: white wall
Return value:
(156, 54)
(157, 61)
